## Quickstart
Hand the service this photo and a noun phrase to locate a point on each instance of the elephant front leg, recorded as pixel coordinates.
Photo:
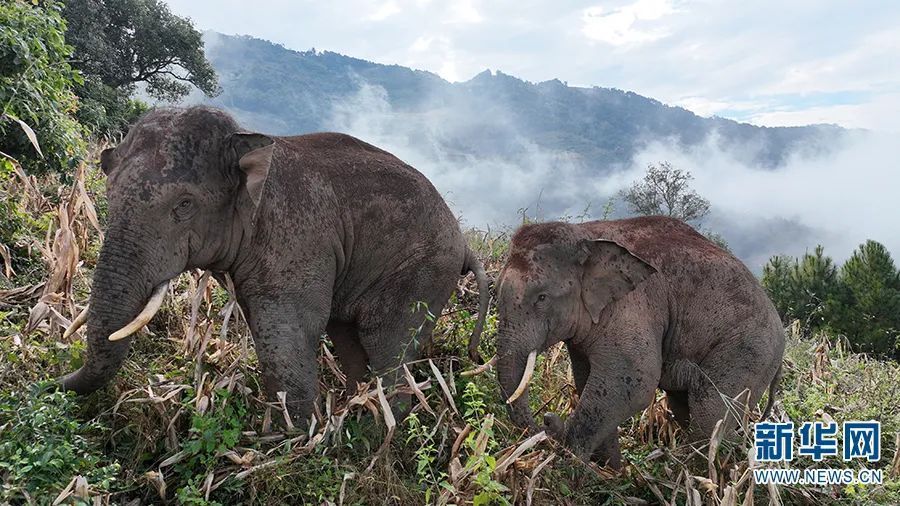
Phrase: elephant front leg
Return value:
(288, 369)
(591, 431)
(581, 368)
(286, 337)
(608, 452)
(615, 390)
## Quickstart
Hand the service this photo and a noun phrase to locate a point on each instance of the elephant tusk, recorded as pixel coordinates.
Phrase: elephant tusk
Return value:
(153, 305)
(77, 323)
(526, 378)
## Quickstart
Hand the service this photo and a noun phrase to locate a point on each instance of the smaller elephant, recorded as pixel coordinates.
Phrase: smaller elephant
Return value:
(640, 304)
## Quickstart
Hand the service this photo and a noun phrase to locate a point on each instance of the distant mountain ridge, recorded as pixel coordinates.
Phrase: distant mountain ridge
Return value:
(281, 91)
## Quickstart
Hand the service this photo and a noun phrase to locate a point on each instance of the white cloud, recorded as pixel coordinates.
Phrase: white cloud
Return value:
(863, 66)
(464, 11)
(620, 26)
(707, 108)
(422, 44)
(838, 201)
(879, 113)
(435, 48)
(843, 199)
(385, 10)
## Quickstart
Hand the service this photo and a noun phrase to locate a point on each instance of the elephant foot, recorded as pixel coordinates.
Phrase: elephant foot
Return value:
(554, 426)
(606, 454)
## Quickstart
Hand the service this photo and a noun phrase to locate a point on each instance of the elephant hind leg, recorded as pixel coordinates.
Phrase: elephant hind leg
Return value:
(679, 405)
(728, 382)
(395, 342)
(351, 354)
(394, 339)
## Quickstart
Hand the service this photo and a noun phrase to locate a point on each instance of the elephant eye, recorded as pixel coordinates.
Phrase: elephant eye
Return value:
(184, 209)
(542, 297)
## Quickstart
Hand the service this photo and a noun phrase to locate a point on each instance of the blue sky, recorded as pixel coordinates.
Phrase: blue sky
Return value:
(786, 62)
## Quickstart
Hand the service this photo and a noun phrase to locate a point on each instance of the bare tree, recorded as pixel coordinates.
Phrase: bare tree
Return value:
(665, 191)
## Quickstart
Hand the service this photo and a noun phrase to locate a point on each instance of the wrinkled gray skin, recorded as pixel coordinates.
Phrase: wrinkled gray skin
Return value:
(319, 232)
(640, 303)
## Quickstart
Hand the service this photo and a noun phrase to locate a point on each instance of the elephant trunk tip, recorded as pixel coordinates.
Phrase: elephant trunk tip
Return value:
(79, 382)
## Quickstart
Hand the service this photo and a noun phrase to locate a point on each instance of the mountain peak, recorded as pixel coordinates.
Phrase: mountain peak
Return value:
(481, 76)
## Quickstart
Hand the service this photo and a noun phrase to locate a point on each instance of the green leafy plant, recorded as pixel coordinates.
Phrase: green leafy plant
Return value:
(43, 445)
(426, 455)
(211, 434)
(482, 465)
(474, 406)
(36, 88)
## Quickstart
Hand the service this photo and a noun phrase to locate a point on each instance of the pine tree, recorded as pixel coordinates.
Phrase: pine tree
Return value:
(776, 279)
(869, 300)
(813, 286)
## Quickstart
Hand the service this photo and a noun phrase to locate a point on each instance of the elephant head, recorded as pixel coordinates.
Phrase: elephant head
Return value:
(183, 189)
(555, 284)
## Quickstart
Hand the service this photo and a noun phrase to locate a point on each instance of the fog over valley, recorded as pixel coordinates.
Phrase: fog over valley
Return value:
(497, 147)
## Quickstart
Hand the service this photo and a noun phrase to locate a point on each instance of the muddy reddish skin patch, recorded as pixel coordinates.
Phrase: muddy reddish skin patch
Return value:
(657, 236)
(531, 236)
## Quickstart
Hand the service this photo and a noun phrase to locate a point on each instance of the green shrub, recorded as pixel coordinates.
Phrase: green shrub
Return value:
(211, 434)
(43, 446)
(36, 87)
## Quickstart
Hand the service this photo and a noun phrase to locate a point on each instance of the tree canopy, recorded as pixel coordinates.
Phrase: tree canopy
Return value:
(860, 299)
(37, 123)
(120, 43)
(666, 191)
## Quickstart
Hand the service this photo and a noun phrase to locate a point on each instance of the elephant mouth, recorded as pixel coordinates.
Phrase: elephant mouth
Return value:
(526, 378)
(143, 318)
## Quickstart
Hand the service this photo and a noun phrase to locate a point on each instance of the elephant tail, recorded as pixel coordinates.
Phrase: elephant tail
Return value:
(474, 266)
(773, 389)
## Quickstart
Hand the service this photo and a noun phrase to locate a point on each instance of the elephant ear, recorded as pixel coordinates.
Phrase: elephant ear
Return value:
(253, 153)
(610, 272)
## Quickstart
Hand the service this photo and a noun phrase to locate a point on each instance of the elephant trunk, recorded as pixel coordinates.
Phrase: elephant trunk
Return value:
(513, 375)
(120, 291)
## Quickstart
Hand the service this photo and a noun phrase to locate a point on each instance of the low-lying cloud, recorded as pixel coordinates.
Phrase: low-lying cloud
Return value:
(838, 200)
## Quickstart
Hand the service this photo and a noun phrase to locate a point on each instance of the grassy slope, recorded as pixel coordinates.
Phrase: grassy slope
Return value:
(184, 419)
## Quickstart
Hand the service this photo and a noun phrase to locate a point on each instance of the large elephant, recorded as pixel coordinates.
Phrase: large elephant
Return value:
(319, 232)
(640, 304)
